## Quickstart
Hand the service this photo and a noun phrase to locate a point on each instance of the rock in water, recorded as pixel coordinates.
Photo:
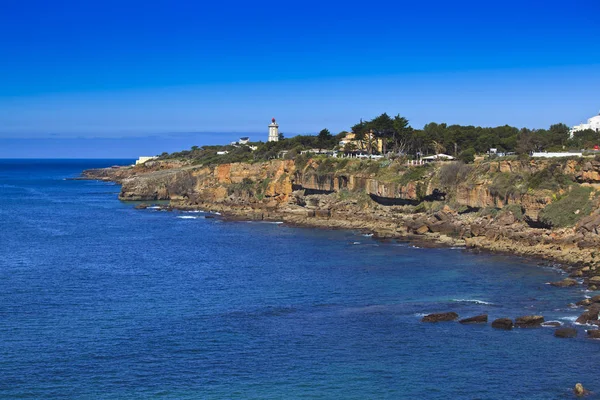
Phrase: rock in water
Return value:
(439, 317)
(529, 321)
(579, 390)
(502, 323)
(567, 282)
(565, 332)
(478, 319)
(589, 315)
(594, 333)
(142, 206)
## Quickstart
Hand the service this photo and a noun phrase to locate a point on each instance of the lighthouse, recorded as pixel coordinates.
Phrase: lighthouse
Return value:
(273, 131)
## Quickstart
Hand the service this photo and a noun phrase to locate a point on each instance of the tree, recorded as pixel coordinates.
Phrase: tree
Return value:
(324, 139)
(360, 133)
(402, 135)
(280, 136)
(382, 128)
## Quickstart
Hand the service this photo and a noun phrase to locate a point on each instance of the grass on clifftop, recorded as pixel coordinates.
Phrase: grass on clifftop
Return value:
(568, 209)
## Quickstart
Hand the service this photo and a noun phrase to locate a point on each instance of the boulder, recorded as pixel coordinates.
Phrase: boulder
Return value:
(579, 390)
(589, 315)
(421, 230)
(584, 302)
(565, 332)
(502, 323)
(529, 321)
(505, 218)
(594, 280)
(142, 206)
(567, 282)
(439, 317)
(595, 299)
(594, 333)
(442, 216)
(478, 319)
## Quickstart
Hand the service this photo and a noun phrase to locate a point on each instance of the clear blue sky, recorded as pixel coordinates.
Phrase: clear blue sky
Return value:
(125, 78)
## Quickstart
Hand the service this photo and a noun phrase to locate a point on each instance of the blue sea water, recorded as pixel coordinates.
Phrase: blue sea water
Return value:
(102, 301)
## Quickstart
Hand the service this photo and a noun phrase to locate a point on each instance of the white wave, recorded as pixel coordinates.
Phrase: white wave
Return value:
(356, 243)
(186, 217)
(572, 318)
(420, 314)
(475, 301)
(546, 324)
(153, 208)
(458, 248)
(367, 234)
(192, 211)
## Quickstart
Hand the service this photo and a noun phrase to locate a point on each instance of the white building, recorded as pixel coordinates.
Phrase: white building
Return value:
(273, 131)
(143, 159)
(592, 123)
(244, 140)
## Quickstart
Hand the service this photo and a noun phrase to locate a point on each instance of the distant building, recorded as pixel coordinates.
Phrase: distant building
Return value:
(273, 131)
(350, 139)
(438, 157)
(244, 140)
(592, 123)
(555, 155)
(142, 160)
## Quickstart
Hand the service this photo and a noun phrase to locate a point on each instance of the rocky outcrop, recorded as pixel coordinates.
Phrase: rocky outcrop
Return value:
(478, 319)
(502, 323)
(565, 332)
(567, 282)
(529, 321)
(429, 202)
(440, 317)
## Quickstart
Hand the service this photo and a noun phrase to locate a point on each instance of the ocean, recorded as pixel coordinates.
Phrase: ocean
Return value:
(102, 301)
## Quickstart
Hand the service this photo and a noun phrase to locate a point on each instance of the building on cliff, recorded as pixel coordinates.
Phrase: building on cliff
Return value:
(592, 123)
(273, 131)
(351, 143)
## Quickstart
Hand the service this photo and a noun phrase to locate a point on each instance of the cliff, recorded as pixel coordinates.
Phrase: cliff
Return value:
(544, 208)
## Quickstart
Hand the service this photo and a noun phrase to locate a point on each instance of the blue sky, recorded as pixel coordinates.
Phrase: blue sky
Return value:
(124, 78)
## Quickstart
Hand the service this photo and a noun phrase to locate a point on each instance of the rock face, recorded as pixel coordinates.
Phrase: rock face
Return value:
(529, 321)
(502, 323)
(440, 317)
(391, 200)
(565, 332)
(478, 319)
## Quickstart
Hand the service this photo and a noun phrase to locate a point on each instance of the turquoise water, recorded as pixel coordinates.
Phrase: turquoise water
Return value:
(101, 301)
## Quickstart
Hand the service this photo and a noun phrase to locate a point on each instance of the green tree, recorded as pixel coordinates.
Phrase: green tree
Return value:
(382, 128)
(325, 139)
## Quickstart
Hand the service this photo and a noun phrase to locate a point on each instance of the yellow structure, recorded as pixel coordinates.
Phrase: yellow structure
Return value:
(350, 138)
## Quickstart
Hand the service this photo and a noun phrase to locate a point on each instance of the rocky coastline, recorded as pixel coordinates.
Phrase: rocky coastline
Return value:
(465, 209)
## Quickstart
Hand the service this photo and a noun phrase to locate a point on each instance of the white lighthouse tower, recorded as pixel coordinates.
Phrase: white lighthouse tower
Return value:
(273, 131)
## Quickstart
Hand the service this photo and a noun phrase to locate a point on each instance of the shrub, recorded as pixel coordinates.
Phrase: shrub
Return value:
(453, 173)
(467, 156)
(567, 210)
(515, 209)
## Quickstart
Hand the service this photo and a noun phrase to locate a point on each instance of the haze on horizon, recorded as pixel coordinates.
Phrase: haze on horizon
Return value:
(124, 79)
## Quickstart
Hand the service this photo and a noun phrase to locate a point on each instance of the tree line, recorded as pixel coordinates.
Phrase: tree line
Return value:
(399, 137)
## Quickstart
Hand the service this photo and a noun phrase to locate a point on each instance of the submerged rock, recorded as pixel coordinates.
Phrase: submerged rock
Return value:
(439, 317)
(565, 332)
(529, 321)
(142, 206)
(478, 319)
(502, 323)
